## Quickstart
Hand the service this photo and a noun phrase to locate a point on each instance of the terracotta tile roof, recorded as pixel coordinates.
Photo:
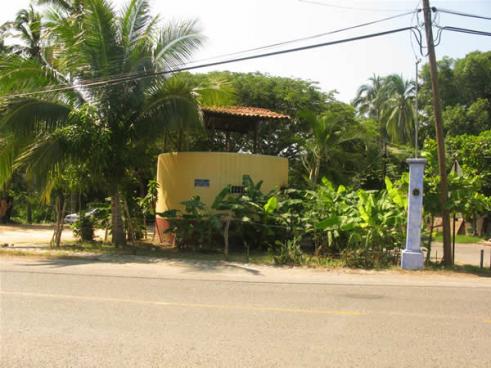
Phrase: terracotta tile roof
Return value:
(245, 111)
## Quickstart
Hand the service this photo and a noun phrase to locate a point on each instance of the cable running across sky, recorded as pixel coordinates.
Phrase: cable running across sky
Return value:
(200, 66)
(269, 46)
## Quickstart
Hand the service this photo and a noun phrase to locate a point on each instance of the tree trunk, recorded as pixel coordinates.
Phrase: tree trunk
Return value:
(60, 225)
(474, 225)
(228, 218)
(430, 240)
(384, 161)
(129, 224)
(315, 171)
(117, 229)
(29, 213)
(60, 207)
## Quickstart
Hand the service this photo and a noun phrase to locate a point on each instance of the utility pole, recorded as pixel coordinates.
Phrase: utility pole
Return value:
(416, 118)
(437, 110)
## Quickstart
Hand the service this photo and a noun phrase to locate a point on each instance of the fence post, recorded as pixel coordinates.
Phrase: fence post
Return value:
(225, 235)
(482, 258)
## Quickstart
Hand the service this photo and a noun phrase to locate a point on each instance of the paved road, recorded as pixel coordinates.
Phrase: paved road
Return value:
(194, 314)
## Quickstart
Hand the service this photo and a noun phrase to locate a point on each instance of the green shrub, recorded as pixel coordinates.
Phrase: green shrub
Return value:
(364, 228)
(195, 227)
(288, 252)
(84, 228)
(366, 258)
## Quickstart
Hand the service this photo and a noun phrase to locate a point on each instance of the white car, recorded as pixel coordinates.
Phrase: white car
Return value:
(74, 217)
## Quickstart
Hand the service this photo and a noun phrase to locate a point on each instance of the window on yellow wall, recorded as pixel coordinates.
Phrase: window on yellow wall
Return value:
(239, 189)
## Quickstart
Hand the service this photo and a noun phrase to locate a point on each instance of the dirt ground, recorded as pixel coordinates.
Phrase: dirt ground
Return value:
(35, 235)
(39, 236)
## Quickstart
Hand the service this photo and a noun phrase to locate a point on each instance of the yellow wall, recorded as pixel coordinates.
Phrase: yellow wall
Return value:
(176, 174)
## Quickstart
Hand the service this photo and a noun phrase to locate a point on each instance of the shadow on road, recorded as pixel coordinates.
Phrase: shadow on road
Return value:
(189, 265)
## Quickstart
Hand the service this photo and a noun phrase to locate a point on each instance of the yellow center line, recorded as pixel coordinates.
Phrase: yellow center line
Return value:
(350, 313)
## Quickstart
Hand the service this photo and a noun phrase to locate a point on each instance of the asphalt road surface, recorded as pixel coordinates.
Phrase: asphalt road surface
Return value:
(201, 314)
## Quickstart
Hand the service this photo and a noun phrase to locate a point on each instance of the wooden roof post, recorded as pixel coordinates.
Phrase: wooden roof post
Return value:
(256, 126)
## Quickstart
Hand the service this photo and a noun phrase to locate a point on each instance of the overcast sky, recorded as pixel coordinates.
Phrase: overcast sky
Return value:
(234, 25)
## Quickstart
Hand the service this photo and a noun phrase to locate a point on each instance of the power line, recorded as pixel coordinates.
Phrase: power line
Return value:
(462, 14)
(206, 65)
(318, 35)
(321, 3)
(465, 30)
(265, 47)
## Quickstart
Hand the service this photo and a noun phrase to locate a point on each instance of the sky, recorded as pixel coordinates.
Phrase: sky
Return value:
(236, 25)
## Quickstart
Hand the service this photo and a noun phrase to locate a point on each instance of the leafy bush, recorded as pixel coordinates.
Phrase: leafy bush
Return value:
(195, 227)
(288, 252)
(365, 228)
(341, 220)
(84, 228)
(255, 215)
(365, 258)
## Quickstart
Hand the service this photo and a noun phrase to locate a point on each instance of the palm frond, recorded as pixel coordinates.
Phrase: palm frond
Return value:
(28, 117)
(99, 47)
(18, 74)
(59, 4)
(136, 33)
(134, 22)
(215, 92)
(9, 148)
(169, 105)
(176, 43)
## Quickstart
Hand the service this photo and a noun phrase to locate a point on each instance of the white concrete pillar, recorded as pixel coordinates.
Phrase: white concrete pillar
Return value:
(412, 257)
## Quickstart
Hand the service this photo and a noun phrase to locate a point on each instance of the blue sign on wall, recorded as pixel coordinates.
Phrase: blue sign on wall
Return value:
(201, 182)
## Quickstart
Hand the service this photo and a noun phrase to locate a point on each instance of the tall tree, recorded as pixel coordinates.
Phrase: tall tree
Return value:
(26, 29)
(103, 126)
(370, 98)
(389, 101)
(336, 145)
(398, 108)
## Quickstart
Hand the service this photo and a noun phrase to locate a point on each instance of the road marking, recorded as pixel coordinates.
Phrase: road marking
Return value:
(349, 313)
(488, 321)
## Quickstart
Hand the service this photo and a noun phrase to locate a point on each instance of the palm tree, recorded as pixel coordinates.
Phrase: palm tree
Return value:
(26, 28)
(370, 98)
(398, 108)
(100, 127)
(334, 143)
(389, 101)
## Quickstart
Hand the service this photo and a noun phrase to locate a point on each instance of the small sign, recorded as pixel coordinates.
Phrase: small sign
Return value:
(201, 182)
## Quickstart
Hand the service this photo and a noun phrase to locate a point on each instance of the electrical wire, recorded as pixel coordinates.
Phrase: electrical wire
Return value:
(466, 30)
(273, 45)
(416, 32)
(462, 14)
(318, 35)
(206, 65)
(347, 7)
(265, 47)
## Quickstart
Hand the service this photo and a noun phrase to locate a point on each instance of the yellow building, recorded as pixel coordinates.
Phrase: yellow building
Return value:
(182, 175)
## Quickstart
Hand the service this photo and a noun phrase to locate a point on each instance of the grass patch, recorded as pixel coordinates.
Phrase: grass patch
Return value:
(462, 239)
(92, 250)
